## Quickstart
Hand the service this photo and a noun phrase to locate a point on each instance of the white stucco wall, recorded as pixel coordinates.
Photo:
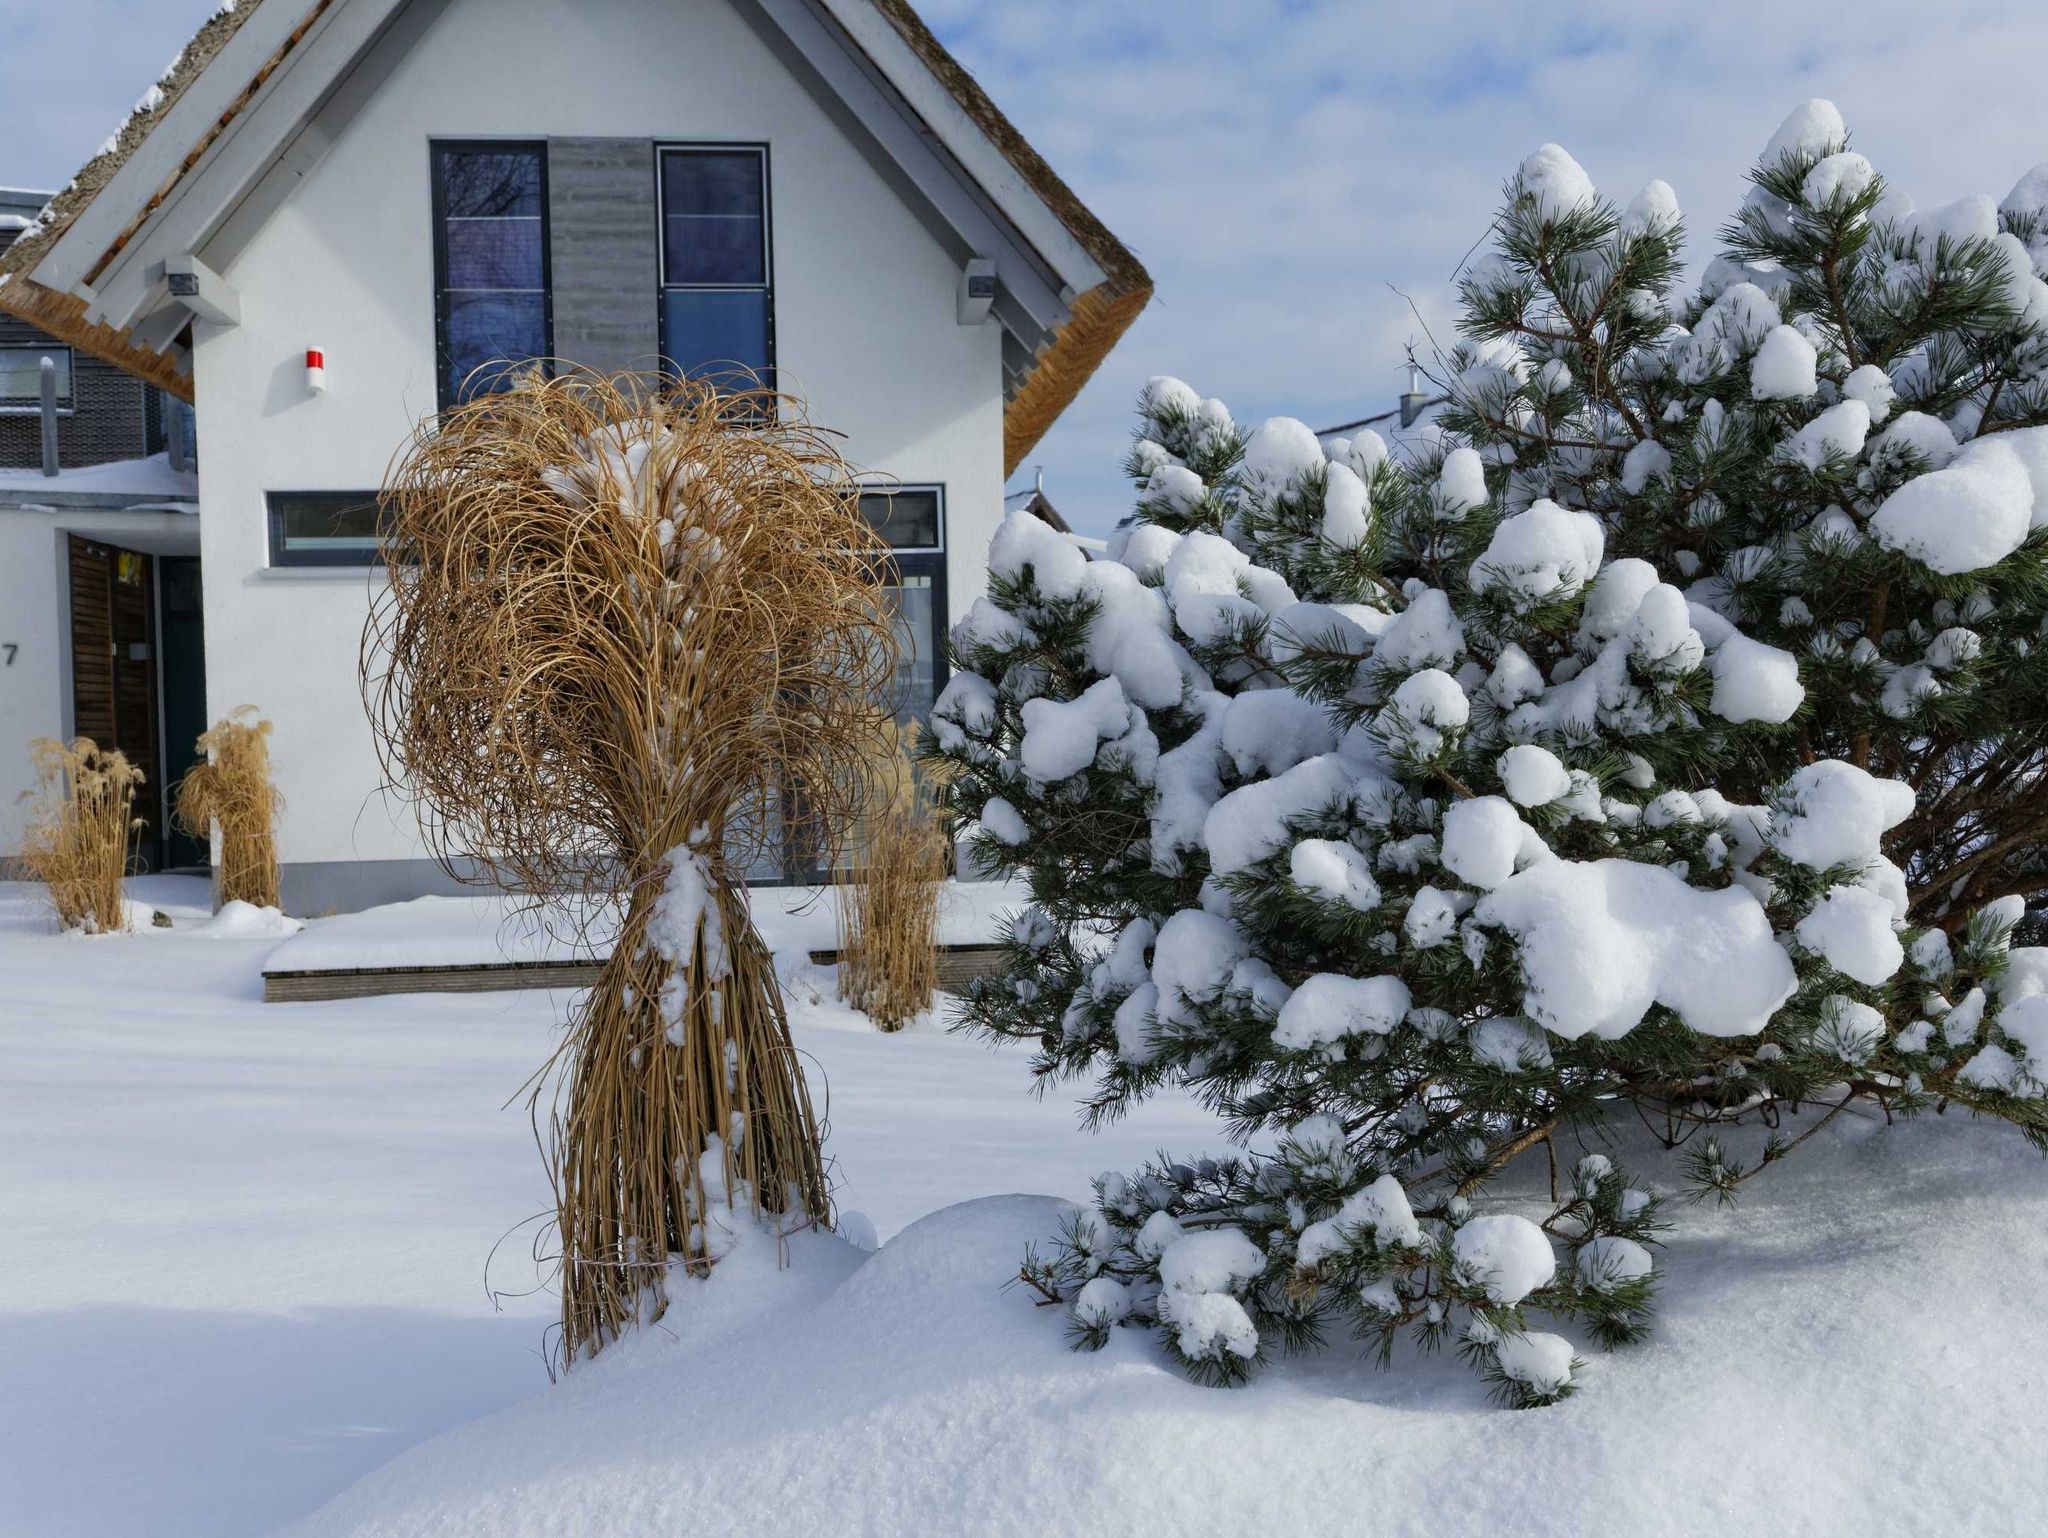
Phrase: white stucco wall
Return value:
(865, 328)
(35, 619)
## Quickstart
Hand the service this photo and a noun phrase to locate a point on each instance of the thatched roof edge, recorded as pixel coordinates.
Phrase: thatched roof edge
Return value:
(1100, 316)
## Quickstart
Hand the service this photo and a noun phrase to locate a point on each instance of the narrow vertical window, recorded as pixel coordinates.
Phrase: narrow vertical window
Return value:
(717, 274)
(913, 520)
(490, 265)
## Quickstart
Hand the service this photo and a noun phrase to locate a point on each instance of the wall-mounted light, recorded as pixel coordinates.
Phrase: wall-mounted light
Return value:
(316, 371)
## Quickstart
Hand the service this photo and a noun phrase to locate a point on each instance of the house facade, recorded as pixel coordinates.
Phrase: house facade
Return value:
(426, 193)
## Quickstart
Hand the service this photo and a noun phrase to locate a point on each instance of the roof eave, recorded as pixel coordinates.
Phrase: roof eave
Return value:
(63, 317)
(1112, 285)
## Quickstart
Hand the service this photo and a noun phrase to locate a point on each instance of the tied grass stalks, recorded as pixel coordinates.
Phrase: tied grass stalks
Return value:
(231, 792)
(79, 829)
(889, 902)
(634, 642)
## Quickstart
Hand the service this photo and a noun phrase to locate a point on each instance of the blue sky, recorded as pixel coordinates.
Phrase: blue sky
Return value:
(1303, 176)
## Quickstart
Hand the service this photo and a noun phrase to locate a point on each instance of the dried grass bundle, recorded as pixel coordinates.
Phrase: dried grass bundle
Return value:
(232, 790)
(889, 901)
(631, 636)
(80, 824)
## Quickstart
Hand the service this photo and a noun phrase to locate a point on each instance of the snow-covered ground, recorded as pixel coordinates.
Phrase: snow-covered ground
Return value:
(243, 1247)
(245, 1264)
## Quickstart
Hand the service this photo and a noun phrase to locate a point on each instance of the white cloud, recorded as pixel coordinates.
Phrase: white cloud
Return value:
(1284, 168)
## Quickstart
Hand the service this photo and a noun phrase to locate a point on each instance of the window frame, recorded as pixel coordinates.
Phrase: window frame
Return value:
(924, 561)
(282, 556)
(67, 398)
(437, 150)
(664, 148)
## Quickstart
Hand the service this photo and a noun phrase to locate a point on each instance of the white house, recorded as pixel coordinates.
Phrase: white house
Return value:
(412, 188)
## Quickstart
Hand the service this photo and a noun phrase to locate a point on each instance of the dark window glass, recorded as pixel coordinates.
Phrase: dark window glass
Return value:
(492, 183)
(324, 528)
(717, 334)
(487, 340)
(494, 253)
(714, 248)
(491, 265)
(907, 517)
(712, 182)
(717, 302)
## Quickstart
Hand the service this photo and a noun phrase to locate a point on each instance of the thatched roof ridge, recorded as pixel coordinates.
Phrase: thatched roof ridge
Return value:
(63, 315)
(1100, 315)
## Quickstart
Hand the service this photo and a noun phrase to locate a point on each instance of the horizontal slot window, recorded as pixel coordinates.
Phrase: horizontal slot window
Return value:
(324, 528)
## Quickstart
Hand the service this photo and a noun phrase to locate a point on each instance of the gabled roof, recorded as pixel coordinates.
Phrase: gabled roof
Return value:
(257, 88)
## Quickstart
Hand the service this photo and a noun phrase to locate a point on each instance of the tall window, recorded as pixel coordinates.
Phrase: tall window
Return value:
(21, 374)
(717, 273)
(492, 312)
(913, 520)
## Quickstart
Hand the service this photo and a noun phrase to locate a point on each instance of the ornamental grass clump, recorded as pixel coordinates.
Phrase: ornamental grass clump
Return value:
(889, 901)
(80, 824)
(232, 792)
(632, 637)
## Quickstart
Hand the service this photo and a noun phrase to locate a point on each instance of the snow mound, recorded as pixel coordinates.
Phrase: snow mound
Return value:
(908, 1392)
(238, 920)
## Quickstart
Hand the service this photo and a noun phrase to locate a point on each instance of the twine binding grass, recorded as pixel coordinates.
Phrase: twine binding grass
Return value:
(80, 826)
(633, 638)
(231, 791)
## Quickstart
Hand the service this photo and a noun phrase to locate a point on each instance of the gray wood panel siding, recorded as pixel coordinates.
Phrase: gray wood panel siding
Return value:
(604, 241)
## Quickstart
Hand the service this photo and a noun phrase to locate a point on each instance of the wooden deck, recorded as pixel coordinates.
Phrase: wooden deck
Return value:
(959, 967)
(374, 982)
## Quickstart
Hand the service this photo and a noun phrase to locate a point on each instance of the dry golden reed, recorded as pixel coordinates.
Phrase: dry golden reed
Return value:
(80, 825)
(889, 901)
(232, 789)
(633, 637)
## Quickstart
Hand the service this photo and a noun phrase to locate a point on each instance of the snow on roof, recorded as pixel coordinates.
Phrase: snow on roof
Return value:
(151, 477)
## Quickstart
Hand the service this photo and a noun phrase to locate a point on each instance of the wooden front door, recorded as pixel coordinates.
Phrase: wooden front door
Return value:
(114, 666)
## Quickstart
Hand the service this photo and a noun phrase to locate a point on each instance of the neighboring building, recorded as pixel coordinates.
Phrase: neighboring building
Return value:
(103, 413)
(99, 571)
(812, 188)
(1039, 505)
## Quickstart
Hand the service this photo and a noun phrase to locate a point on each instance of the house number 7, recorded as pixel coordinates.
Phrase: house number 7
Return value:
(10, 647)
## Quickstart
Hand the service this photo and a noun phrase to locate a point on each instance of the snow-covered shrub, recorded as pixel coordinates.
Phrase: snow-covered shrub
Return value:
(1415, 810)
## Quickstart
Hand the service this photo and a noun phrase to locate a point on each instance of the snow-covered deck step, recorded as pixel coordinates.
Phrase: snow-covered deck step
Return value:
(960, 966)
(374, 982)
(485, 943)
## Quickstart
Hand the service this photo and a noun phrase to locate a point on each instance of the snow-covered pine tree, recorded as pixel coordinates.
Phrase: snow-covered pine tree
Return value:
(1837, 443)
(1375, 803)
